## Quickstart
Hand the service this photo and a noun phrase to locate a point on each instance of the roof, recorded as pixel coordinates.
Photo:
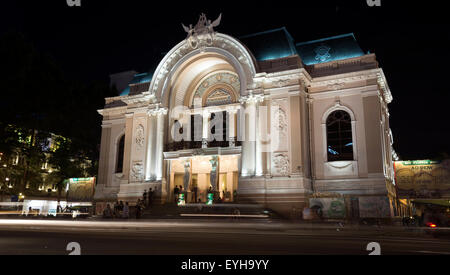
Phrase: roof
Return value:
(311, 52)
(281, 44)
(137, 79)
(329, 49)
(276, 44)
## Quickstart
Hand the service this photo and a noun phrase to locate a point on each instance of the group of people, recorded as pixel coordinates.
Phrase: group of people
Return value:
(122, 210)
(119, 210)
(145, 202)
(148, 197)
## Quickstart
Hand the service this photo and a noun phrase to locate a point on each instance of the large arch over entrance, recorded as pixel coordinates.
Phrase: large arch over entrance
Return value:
(228, 48)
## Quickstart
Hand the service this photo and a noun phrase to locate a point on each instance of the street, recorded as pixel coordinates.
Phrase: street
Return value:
(181, 237)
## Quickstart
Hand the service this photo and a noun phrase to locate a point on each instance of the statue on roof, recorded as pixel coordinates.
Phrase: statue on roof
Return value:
(203, 33)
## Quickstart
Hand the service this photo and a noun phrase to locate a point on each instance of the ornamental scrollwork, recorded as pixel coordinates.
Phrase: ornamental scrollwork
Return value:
(281, 164)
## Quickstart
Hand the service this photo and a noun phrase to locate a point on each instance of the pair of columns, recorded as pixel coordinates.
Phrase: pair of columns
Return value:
(252, 155)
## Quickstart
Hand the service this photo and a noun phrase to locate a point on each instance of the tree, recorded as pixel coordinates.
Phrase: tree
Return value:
(69, 161)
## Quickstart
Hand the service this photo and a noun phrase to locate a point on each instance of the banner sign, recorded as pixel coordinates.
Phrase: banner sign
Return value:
(374, 207)
(422, 179)
(330, 208)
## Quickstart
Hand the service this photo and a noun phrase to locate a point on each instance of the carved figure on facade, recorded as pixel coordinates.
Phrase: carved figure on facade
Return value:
(187, 175)
(213, 174)
(203, 33)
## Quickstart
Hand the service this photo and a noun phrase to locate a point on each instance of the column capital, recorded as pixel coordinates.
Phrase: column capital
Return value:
(252, 98)
(206, 112)
(157, 111)
(233, 109)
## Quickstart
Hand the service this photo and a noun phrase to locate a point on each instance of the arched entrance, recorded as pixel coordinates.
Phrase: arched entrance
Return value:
(200, 89)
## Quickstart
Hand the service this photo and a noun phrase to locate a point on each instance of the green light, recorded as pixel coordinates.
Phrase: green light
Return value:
(181, 199)
(210, 199)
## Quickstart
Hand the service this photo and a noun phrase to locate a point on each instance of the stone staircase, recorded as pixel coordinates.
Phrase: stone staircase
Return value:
(202, 211)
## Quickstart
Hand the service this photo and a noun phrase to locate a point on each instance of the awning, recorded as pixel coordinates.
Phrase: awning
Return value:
(445, 203)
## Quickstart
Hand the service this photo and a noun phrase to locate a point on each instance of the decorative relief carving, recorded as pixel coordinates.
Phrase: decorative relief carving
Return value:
(218, 78)
(137, 171)
(323, 53)
(279, 122)
(281, 117)
(140, 138)
(281, 164)
(336, 86)
(282, 82)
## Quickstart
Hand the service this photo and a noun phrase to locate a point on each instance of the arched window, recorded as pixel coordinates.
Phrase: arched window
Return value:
(339, 136)
(120, 153)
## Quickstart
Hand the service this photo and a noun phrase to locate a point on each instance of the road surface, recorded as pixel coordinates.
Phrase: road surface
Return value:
(208, 237)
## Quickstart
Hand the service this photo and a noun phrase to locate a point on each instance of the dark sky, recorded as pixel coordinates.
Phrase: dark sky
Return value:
(411, 41)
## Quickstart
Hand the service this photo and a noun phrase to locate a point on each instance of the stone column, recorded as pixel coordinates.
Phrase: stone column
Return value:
(160, 116)
(258, 145)
(104, 162)
(128, 143)
(232, 127)
(205, 129)
(150, 168)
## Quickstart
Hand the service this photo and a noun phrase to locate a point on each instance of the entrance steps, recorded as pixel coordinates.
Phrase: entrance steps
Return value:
(199, 210)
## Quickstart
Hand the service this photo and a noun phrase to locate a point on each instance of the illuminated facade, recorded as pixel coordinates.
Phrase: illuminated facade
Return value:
(256, 120)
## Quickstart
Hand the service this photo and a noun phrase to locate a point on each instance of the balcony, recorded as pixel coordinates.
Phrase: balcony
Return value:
(186, 145)
(182, 145)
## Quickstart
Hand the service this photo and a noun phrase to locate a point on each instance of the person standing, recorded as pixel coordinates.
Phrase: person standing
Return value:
(145, 197)
(195, 191)
(150, 196)
(176, 191)
(116, 209)
(126, 211)
(107, 213)
(138, 209)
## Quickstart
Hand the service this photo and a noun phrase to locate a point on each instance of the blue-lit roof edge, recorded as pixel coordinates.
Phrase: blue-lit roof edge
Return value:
(326, 39)
(264, 32)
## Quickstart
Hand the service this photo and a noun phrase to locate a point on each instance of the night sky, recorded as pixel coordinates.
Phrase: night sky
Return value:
(411, 42)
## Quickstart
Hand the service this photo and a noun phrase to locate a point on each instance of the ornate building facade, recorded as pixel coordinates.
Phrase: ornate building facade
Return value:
(259, 119)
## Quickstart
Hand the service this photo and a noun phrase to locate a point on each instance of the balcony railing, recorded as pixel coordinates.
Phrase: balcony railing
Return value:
(186, 145)
(182, 145)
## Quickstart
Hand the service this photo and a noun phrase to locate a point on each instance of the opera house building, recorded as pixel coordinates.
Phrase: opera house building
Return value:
(259, 119)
